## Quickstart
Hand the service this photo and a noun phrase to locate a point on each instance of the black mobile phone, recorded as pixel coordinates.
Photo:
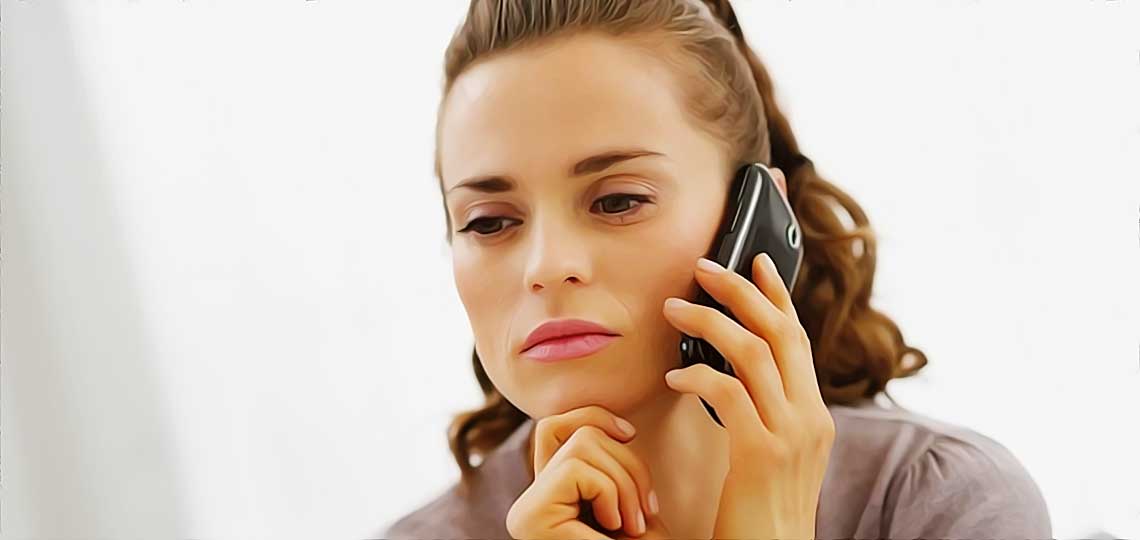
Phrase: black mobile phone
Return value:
(757, 220)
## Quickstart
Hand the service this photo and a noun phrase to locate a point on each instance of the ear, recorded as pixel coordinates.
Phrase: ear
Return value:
(781, 181)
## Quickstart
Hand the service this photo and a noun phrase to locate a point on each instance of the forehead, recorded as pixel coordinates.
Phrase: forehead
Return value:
(534, 110)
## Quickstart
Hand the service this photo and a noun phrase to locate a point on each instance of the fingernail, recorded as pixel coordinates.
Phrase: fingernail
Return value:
(624, 426)
(674, 303)
(771, 264)
(709, 266)
(653, 508)
(640, 522)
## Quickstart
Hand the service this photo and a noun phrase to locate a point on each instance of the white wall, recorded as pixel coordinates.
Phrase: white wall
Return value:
(227, 304)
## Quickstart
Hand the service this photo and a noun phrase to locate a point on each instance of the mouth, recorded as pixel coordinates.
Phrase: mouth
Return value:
(567, 347)
(566, 338)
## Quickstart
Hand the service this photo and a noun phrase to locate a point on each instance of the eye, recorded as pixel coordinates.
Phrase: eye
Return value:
(486, 226)
(613, 204)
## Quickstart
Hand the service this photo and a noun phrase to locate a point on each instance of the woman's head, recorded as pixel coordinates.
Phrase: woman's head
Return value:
(584, 150)
(579, 234)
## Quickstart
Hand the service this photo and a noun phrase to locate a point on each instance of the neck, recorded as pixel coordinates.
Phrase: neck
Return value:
(687, 455)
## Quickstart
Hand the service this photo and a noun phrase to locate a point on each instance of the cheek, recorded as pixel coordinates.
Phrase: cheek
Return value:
(481, 286)
(671, 272)
(667, 257)
(664, 267)
(671, 276)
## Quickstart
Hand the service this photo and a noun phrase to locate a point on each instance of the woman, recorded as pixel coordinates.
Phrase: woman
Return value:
(584, 150)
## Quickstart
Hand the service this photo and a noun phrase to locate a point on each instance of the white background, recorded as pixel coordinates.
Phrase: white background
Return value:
(228, 308)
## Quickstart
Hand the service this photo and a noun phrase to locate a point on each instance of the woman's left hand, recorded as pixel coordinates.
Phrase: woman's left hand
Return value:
(780, 431)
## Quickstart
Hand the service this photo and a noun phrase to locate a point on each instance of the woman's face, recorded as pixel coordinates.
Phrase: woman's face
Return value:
(561, 236)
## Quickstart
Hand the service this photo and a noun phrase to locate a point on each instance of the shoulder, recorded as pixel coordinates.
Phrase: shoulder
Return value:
(477, 512)
(900, 474)
(965, 488)
(436, 519)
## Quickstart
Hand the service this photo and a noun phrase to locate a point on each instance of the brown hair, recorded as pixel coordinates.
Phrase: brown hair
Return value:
(856, 348)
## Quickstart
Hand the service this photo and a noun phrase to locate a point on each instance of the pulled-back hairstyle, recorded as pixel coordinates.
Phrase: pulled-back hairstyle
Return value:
(856, 348)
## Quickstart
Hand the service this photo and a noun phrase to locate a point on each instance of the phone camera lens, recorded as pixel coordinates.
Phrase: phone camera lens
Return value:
(793, 235)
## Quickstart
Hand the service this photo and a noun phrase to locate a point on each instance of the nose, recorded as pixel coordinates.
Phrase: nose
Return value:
(557, 255)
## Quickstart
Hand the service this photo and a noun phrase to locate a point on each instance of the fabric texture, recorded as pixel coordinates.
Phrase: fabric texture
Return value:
(892, 473)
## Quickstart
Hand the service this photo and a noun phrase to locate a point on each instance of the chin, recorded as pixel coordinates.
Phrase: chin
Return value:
(618, 379)
(556, 396)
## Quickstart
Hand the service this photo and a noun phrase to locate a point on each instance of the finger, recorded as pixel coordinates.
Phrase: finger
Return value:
(768, 279)
(749, 355)
(551, 432)
(593, 485)
(758, 314)
(655, 529)
(781, 181)
(631, 465)
(593, 446)
(791, 344)
(635, 467)
(725, 394)
(745, 299)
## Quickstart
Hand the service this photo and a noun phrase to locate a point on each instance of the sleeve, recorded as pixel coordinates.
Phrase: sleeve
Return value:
(957, 489)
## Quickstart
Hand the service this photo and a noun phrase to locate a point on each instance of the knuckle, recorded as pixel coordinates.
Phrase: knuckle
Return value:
(518, 516)
(802, 335)
(827, 421)
(778, 451)
(573, 466)
(756, 440)
(825, 430)
(702, 372)
(757, 348)
(584, 435)
(789, 330)
(591, 431)
(625, 483)
(756, 448)
(608, 488)
(728, 387)
(629, 494)
(544, 425)
(705, 370)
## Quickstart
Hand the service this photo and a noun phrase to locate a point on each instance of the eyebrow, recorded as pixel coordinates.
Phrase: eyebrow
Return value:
(592, 164)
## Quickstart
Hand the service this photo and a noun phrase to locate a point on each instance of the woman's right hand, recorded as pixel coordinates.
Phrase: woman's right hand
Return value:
(581, 456)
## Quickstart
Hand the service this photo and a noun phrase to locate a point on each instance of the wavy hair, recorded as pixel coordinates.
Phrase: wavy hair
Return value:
(856, 349)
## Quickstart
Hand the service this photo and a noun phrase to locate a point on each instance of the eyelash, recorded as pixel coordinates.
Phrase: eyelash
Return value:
(640, 199)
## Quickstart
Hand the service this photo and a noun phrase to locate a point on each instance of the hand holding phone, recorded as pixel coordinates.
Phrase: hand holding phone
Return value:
(757, 220)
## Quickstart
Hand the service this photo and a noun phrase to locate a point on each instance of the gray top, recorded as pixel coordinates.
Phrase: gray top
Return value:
(893, 473)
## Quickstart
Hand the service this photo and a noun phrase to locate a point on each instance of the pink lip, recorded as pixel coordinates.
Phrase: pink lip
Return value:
(566, 338)
(568, 347)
